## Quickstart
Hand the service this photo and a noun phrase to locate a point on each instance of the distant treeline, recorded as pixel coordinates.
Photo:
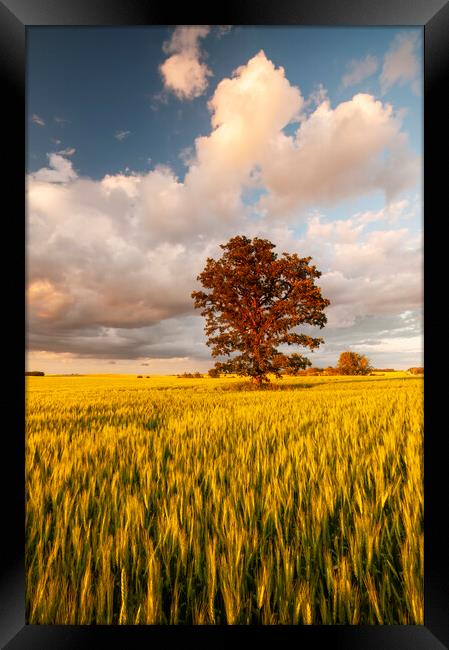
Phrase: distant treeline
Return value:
(190, 375)
(34, 373)
(416, 371)
(308, 372)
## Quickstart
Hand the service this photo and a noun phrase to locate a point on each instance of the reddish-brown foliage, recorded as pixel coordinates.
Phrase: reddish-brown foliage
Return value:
(253, 302)
(351, 363)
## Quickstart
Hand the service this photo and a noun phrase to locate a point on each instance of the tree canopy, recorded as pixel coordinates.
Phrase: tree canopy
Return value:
(252, 303)
(351, 363)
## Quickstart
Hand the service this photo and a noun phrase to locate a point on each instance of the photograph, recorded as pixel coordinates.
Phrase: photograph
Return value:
(224, 404)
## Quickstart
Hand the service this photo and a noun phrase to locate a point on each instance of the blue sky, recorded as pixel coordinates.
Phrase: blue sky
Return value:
(119, 103)
(104, 80)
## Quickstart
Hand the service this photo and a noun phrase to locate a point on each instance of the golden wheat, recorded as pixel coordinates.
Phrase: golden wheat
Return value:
(165, 501)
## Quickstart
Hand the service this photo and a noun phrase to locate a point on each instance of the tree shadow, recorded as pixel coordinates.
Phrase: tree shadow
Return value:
(268, 388)
(247, 386)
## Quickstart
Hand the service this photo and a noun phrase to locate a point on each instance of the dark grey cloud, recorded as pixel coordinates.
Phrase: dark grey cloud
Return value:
(175, 337)
(376, 337)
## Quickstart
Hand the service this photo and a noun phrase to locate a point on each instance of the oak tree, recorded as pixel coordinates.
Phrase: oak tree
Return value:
(252, 303)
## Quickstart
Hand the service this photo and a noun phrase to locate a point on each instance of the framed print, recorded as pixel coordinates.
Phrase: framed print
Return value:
(226, 426)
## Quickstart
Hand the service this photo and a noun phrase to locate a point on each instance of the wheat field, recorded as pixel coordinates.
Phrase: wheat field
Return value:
(169, 501)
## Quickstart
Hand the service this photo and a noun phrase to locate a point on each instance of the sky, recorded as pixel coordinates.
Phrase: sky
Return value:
(148, 147)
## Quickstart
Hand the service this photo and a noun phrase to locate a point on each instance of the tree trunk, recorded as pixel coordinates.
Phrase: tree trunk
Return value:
(259, 380)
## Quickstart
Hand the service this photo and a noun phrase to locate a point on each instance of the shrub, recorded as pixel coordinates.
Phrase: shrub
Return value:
(34, 373)
(313, 372)
(351, 363)
(416, 371)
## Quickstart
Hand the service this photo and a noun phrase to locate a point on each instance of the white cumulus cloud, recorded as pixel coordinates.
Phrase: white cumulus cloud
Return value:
(337, 153)
(60, 170)
(184, 73)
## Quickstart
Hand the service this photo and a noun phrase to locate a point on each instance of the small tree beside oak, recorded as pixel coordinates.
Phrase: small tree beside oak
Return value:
(351, 363)
(253, 301)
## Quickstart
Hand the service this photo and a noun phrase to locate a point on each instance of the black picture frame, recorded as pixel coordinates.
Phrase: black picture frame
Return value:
(15, 17)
